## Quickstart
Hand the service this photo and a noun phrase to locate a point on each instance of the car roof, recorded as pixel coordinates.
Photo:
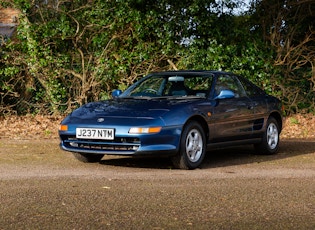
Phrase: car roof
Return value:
(189, 72)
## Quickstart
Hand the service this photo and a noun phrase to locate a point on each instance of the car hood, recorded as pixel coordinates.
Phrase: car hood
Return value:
(127, 108)
(121, 108)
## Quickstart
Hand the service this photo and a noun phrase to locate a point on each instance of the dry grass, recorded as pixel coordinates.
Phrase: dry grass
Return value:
(299, 126)
(29, 127)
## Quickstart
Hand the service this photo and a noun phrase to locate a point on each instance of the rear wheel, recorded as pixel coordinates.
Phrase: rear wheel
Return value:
(192, 147)
(87, 157)
(271, 139)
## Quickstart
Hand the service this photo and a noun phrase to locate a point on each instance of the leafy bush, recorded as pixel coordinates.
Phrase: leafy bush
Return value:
(71, 52)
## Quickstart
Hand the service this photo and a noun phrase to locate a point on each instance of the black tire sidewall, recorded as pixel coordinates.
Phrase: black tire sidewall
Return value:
(184, 160)
(263, 147)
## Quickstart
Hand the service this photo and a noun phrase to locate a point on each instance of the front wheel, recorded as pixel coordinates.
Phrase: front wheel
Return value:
(192, 147)
(88, 158)
(270, 141)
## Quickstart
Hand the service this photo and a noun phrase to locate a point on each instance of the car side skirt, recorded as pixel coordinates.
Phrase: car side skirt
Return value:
(233, 143)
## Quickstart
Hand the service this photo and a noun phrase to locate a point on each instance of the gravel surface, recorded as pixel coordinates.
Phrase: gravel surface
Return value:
(43, 187)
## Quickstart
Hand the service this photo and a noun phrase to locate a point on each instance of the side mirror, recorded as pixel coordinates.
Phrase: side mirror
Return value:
(225, 94)
(116, 93)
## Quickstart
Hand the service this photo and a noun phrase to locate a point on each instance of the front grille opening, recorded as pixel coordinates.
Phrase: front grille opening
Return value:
(118, 144)
(108, 147)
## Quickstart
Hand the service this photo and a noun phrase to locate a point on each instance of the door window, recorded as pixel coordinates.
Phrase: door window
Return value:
(228, 82)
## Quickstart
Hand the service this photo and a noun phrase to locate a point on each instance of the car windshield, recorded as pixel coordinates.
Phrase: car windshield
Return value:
(171, 86)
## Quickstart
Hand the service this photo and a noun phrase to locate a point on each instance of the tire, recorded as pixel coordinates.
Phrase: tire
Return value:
(270, 140)
(88, 158)
(192, 148)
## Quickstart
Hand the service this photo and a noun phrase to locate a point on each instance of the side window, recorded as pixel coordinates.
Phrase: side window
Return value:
(228, 82)
(251, 89)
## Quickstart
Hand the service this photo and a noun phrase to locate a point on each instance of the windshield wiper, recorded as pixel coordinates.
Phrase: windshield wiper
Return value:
(137, 97)
(187, 97)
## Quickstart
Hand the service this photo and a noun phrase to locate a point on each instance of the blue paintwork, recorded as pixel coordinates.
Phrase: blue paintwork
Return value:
(122, 114)
(225, 94)
(116, 93)
(225, 119)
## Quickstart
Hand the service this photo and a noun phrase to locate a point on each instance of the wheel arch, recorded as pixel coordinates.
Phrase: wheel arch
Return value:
(183, 160)
(278, 118)
(202, 122)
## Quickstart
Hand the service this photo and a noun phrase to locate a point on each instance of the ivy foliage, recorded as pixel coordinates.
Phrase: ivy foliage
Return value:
(67, 53)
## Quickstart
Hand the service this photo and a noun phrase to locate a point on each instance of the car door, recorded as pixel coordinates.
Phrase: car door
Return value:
(232, 118)
(259, 104)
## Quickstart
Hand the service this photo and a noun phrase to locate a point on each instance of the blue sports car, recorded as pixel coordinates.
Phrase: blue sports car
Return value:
(180, 114)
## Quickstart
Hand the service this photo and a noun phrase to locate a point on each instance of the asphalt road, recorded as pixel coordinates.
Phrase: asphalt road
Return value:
(43, 187)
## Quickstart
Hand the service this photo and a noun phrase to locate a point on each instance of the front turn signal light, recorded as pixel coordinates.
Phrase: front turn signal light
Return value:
(63, 128)
(139, 130)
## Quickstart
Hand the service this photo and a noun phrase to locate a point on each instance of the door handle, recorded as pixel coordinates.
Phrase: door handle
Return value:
(252, 105)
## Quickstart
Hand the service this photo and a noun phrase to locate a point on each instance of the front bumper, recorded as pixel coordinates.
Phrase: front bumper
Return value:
(165, 142)
(119, 150)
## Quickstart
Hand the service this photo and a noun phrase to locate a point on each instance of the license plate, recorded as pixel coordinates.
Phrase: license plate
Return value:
(93, 133)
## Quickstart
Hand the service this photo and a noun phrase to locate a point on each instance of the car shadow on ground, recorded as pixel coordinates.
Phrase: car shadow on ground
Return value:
(138, 162)
(220, 157)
